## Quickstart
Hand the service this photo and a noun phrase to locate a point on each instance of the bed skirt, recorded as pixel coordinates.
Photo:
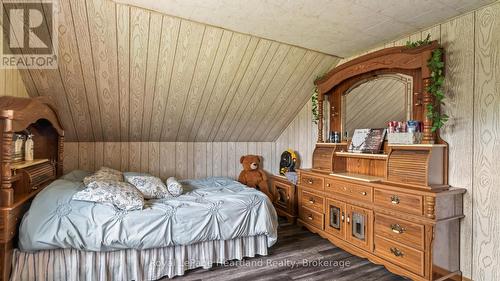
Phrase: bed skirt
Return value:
(149, 264)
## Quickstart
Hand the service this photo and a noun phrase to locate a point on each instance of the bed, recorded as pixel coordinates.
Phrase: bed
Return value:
(215, 220)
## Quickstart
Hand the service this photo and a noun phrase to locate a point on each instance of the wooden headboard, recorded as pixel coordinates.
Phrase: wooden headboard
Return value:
(21, 180)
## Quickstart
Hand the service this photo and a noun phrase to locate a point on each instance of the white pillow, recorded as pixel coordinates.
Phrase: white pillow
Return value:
(104, 173)
(151, 187)
(174, 186)
(120, 194)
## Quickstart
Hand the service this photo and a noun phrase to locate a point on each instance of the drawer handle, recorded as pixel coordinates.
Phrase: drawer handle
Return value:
(311, 200)
(328, 185)
(345, 188)
(397, 252)
(310, 217)
(394, 199)
(364, 193)
(397, 228)
(348, 219)
(343, 216)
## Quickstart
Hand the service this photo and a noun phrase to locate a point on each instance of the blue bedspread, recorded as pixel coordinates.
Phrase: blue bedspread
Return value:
(209, 209)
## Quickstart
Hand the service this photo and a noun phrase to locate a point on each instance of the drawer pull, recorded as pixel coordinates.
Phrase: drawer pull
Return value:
(397, 252)
(328, 185)
(311, 200)
(364, 193)
(348, 219)
(343, 217)
(397, 228)
(310, 217)
(394, 199)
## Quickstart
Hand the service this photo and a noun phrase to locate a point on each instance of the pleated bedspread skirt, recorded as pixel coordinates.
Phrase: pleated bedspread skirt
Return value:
(130, 264)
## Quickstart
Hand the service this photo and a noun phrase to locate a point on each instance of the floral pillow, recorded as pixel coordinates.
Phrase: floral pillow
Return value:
(104, 174)
(150, 186)
(120, 194)
(174, 187)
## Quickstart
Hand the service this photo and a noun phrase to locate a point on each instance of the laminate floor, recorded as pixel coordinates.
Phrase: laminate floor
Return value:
(298, 255)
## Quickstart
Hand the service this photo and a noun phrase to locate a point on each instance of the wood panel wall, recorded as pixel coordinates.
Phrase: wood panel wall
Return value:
(472, 87)
(165, 159)
(139, 75)
(11, 83)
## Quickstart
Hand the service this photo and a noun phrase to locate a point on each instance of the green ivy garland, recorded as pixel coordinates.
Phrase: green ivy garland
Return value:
(436, 65)
(314, 100)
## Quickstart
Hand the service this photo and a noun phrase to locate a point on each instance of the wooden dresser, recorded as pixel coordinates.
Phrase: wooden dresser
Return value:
(22, 180)
(285, 197)
(386, 208)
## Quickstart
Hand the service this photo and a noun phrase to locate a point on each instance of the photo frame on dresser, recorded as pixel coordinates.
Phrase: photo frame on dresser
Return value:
(367, 140)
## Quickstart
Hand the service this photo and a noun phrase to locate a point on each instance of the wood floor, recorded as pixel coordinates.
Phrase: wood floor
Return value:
(297, 245)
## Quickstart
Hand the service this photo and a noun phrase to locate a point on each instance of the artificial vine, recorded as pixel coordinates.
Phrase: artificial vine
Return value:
(419, 43)
(314, 100)
(436, 65)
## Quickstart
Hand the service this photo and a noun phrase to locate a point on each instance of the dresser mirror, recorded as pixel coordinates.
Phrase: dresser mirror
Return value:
(373, 102)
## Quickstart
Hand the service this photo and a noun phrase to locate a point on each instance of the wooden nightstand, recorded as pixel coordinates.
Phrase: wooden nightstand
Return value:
(285, 197)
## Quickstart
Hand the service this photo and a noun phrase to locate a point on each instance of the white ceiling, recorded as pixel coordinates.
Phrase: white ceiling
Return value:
(336, 27)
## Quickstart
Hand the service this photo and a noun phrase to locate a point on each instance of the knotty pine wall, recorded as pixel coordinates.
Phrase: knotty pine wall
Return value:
(11, 83)
(472, 44)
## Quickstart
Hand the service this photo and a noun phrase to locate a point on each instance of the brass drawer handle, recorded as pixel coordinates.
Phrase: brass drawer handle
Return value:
(328, 185)
(310, 217)
(310, 181)
(397, 228)
(394, 199)
(397, 252)
(311, 200)
(364, 193)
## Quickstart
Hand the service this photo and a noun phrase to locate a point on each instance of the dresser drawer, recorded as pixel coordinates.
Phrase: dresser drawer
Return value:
(311, 217)
(399, 230)
(399, 201)
(312, 181)
(312, 201)
(406, 257)
(355, 191)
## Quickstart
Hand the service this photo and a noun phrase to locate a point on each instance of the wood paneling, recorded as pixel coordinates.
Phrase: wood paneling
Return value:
(142, 76)
(486, 181)
(11, 83)
(165, 159)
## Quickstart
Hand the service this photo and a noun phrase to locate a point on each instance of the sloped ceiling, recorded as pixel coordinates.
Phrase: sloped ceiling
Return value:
(337, 27)
(131, 74)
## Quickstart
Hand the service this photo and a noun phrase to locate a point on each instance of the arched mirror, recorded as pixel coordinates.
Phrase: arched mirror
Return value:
(372, 102)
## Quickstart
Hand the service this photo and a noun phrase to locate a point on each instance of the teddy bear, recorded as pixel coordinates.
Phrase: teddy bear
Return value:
(252, 175)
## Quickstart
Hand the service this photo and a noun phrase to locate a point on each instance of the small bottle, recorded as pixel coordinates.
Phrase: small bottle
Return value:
(28, 148)
(18, 148)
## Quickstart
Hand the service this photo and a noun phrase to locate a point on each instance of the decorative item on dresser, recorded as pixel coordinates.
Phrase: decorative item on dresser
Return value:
(285, 197)
(394, 208)
(22, 180)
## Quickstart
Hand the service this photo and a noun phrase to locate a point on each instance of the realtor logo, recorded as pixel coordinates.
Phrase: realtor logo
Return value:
(29, 39)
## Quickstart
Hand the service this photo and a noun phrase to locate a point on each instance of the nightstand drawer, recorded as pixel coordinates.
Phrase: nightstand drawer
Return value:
(312, 201)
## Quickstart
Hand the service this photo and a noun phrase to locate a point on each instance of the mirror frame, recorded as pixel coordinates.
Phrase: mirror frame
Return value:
(394, 60)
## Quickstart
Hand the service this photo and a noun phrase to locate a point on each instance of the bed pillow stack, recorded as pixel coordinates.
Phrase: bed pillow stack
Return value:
(174, 187)
(107, 186)
(151, 187)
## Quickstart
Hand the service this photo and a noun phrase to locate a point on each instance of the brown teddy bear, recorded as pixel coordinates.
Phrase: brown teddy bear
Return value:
(252, 175)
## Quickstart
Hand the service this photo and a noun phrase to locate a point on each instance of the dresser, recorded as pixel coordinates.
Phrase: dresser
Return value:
(400, 220)
(285, 197)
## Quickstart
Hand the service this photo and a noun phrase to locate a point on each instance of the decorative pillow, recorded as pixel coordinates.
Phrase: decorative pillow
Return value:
(104, 174)
(150, 186)
(120, 194)
(174, 187)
